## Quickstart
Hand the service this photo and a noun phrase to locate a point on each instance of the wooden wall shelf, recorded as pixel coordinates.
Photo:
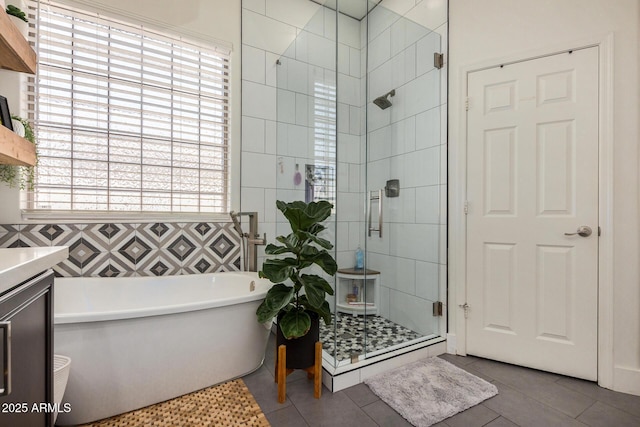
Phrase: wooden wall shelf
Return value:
(15, 150)
(15, 52)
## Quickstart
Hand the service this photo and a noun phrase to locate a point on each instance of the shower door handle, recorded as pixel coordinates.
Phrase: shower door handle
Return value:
(373, 197)
(6, 358)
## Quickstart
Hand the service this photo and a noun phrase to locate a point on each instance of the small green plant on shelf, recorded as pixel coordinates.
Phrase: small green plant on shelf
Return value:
(20, 176)
(15, 11)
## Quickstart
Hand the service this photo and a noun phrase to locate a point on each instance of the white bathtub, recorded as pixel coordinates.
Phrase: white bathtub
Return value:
(142, 340)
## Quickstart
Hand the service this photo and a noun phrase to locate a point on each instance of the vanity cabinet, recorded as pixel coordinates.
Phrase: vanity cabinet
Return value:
(26, 353)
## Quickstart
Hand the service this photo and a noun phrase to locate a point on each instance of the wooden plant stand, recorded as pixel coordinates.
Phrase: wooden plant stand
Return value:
(282, 372)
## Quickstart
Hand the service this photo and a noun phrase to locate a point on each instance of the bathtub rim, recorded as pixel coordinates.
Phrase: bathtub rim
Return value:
(160, 310)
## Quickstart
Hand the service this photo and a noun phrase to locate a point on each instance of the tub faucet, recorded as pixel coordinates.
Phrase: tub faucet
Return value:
(253, 237)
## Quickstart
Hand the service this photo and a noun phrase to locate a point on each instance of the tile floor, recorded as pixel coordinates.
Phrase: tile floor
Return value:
(527, 398)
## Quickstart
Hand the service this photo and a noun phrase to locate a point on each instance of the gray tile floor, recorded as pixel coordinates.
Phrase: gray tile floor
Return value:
(527, 398)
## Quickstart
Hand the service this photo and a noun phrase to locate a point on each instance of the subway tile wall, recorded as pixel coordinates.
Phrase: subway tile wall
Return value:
(124, 249)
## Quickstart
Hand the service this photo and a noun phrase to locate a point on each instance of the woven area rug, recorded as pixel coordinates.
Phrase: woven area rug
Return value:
(429, 390)
(227, 405)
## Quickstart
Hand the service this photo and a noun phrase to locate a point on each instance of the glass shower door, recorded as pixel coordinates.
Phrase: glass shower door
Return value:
(403, 225)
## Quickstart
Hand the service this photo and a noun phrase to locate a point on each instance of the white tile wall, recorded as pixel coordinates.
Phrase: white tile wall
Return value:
(349, 31)
(403, 136)
(406, 33)
(415, 241)
(428, 128)
(329, 24)
(379, 49)
(349, 90)
(258, 170)
(257, 6)
(270, 142)
(253, 64)
(253, 135)
(427, 275)
(258, 100)
(427, 207)
(411, 312)
(429, 13)
(295, 12)
(430, 43)
(286, 107)
(379, 21)
(266, 33)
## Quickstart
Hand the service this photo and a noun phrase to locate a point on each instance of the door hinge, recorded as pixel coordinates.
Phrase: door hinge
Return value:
(467, 103)
(465, 307)
(466, 207)
(437, 308)
(438, 60)
(599, 231)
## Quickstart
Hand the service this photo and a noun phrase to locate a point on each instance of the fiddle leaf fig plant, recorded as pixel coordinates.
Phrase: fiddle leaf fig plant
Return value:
(295, 293)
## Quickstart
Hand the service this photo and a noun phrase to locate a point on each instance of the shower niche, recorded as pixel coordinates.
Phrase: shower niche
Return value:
(359, 107)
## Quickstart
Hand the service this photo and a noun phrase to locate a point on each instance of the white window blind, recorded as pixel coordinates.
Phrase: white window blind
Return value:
(127, 119)
(325, 136)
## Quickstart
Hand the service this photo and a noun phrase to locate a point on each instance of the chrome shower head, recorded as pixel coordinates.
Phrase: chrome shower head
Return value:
(383, 101)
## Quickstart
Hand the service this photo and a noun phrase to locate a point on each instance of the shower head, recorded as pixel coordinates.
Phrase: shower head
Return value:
(236, 223)
(383, 101)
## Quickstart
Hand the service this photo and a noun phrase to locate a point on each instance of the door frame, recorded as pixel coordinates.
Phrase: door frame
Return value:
(458, 195)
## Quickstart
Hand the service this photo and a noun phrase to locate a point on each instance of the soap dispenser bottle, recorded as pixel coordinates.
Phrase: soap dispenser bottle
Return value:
(359, 259)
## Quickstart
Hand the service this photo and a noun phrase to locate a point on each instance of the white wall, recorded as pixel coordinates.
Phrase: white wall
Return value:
(203, 20)
(491, 29)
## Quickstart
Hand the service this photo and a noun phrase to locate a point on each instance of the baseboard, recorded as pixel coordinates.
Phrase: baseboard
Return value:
(452, 344)
(626, 380)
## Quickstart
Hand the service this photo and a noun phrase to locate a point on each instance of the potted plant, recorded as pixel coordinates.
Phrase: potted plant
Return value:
(17, 12)
(21, 176)
(298, 299)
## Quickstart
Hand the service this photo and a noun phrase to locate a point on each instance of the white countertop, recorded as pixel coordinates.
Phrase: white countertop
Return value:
(20, 264)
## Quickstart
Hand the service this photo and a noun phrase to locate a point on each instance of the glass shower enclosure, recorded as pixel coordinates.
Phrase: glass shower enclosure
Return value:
(359, 124)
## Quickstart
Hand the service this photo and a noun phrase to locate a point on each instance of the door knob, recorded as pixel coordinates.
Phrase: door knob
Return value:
(583, 231)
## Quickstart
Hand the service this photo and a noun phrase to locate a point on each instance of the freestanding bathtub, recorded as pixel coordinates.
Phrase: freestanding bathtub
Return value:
(142, 340)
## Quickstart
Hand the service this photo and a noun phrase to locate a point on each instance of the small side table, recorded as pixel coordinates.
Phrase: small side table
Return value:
(367, 284)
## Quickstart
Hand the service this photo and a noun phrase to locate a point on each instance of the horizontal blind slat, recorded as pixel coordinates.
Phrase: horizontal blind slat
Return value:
(127, 119)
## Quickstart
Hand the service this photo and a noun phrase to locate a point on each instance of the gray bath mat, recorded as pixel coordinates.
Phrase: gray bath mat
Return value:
(429, 390)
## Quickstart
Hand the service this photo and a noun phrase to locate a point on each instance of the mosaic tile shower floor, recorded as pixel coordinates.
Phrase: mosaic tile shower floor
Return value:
(381, 333)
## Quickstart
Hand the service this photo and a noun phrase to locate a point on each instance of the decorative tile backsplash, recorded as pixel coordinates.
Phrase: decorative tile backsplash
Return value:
(123, 249)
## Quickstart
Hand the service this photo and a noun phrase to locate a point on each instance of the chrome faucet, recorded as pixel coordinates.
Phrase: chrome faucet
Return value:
(253, 238)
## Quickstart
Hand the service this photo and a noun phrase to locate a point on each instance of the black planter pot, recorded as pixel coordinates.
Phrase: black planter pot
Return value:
(301, 351)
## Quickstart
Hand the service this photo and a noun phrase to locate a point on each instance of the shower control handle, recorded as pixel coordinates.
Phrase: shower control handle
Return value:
(582, 231)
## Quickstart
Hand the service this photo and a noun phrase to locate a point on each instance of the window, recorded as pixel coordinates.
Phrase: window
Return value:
(322, 174)
(127, 119)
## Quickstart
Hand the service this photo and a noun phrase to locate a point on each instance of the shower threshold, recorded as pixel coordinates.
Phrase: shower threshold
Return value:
(388, 345)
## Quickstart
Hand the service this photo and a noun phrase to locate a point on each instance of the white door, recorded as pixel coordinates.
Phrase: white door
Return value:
(533, 177)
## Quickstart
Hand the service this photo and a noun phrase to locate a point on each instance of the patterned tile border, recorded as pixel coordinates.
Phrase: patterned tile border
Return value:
(123, 249)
